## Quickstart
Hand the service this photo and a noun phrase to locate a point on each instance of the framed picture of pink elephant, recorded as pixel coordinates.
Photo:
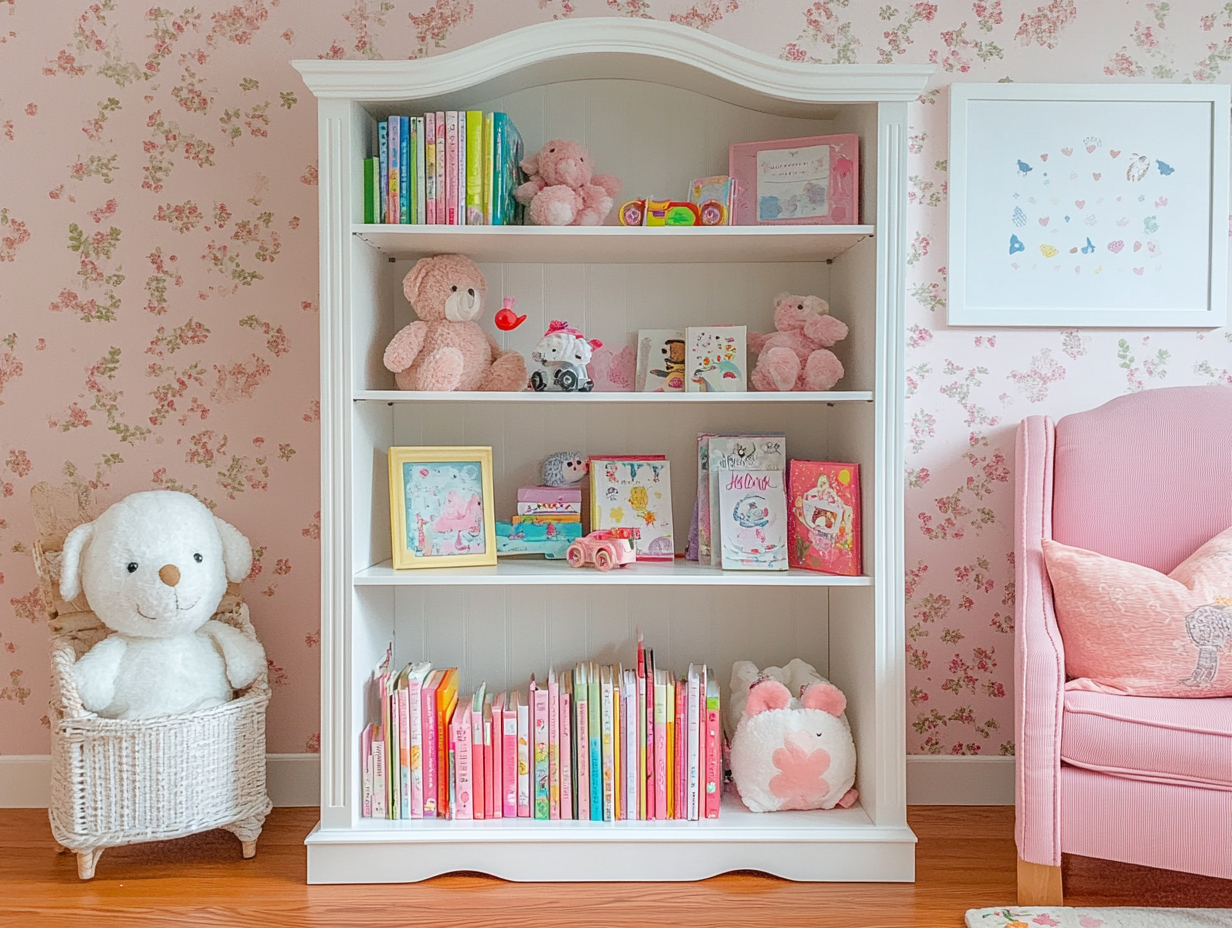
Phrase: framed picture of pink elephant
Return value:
(440, 507)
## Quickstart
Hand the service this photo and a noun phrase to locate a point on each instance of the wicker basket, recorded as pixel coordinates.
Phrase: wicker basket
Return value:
(121, 781)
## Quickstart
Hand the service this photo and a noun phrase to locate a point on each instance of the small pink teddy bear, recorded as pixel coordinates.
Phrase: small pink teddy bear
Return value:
(562, 189)
(797, 356)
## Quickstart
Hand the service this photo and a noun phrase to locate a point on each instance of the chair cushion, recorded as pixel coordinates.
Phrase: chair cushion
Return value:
(1186, 742)
(1129, 629)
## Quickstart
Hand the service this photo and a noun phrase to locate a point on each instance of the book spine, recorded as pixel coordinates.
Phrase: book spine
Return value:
(660, 749)
(619, 727)
(430, 168)
(694, 721)
(641, 745)
(680, 731)
(420, 173)
(583, 755)
(393, 206)
(553, 751)
(404, 170)
(370, 182)
(478, 787)
(383, 157)
(404, 751)
(651, 792)
(489, 767)
(430, 759)
(379, 770)
(540, 723)
(365, 754)
(413, 701)
(496, 779)
(474, 168)
(451, 168)
(463, 808)
(566, 757)
(442, 217)
(609, 766)
(488, 167)
(462, 146)
(451, 765)
(596, 747)
(524, 760)
(509, 758)
(714, 773)
(633, 776)
(447, 702)
(498, 168)
(395, 760)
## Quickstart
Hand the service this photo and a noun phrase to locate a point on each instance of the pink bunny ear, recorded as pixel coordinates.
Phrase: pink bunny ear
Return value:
(765, 695)
(824, 696)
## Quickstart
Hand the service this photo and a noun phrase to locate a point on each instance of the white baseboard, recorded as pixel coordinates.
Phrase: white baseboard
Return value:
(295, 780)
(948, 780)
(291, 779)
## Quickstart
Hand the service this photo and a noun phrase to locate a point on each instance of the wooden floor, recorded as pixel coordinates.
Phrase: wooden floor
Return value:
(965, 859)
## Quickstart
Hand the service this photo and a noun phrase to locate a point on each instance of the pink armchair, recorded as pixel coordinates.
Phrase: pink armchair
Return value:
(1144, 478)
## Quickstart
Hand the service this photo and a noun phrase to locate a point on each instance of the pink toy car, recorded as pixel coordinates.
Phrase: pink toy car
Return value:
(605, 549)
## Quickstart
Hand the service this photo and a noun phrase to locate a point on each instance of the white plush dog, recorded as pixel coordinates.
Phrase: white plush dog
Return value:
(790, 753)
(154, 568)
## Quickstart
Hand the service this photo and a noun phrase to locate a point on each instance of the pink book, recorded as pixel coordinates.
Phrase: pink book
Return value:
(679, 775)
(524, 759)
(430, 183)
(553, 746)
(498, 756)
(451, 168)
(463, 786)
(404, 749)
(714, 750)
(550, 495)
(427, 709)
(823, 501)
(660, 743)
(440, 169)
(490, 789)
(509, 757)
(566, 755)
(414, 684)
(477, 765)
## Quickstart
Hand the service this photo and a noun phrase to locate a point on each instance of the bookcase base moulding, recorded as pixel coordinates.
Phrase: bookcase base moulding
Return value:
(656, 104)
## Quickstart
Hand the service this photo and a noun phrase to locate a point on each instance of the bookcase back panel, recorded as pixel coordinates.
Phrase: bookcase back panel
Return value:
(655, 138)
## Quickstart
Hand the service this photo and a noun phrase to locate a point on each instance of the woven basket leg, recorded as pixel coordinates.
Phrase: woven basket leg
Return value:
(247, 830)
(87, 861)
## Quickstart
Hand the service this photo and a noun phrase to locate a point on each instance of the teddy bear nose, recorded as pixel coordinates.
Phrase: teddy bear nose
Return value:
(170, 574)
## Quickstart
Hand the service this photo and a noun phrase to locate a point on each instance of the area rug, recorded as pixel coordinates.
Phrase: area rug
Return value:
(1028, 916)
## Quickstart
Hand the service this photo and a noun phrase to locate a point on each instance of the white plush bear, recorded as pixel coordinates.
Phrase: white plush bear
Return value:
(154, 568)
(790, 753)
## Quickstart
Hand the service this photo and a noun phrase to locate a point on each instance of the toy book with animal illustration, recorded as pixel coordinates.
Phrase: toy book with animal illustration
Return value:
(634, 492)
(715, 359)
(753, 518)
(735, 452)
(660, 361)
(824, 529)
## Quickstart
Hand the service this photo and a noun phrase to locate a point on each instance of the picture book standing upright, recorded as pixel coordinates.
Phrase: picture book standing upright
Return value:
(825, 517)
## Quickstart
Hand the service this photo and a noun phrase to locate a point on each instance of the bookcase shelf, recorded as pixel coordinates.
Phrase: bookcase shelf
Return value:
(526, 570)
(616, 84)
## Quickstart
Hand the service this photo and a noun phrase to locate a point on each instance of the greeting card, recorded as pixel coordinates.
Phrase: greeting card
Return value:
(660, 361)
(736, 452)
(753, 515)
(715, 359)
(634, 492)
(825, 517)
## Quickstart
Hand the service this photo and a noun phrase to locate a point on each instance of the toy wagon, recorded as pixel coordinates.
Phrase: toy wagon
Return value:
(605, 549)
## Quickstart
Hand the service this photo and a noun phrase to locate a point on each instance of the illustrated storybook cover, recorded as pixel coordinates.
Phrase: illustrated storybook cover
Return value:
(735, 452)
(634, 492)
(825, 517)
(715, 359)
(660, 361)
(753, 512)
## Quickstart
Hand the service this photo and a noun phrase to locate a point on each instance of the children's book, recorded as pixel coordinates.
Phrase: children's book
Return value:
(508, 155)
(629, 722)
(489, 164)
(551, 495)
(753, 519)
(462, 143)
(463, 739)
(524, 757)
(382, 199)
(451, 168)
(582, 710)
(595, 708)
(608, 721)
(566, 747)
(415, 681)
(478, 768)
(825, 517)
(641, 728)
(490, 791)
(442, 213)
(372, 180)
(634, 492)
(497, 780)
(380, 771)
(404, 171)
(446, 704)
(715, 359)
(428, 717)
(553, 746)
(430, 168)
(703, 497)
(421, 172)
(714, 749)
(553, 508)
(693, 721)
(365, 752)
(509, 757)
(661, 682)
(737, 452)
(539, 725)
(474, 168)
(660, 361)
(393, 208)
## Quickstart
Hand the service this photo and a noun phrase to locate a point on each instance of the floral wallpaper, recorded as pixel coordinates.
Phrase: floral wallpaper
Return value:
(158, 304)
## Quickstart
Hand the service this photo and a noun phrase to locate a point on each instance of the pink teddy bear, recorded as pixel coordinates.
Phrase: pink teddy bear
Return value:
(797, 356)
(562, 189)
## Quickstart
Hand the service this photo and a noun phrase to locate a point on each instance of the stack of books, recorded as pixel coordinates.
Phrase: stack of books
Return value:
(599, 743)
(446, 168)
(547, 521)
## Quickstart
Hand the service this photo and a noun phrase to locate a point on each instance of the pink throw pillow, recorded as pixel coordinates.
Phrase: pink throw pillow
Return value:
(1131, 630)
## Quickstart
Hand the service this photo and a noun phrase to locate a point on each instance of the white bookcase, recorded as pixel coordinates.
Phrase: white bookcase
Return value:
(656, 104)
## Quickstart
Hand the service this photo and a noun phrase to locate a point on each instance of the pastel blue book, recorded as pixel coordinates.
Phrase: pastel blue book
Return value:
(404, 169)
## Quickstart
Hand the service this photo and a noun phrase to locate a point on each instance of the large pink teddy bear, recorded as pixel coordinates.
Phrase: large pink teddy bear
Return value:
(797, 356)
(563, 190)
(446, 349)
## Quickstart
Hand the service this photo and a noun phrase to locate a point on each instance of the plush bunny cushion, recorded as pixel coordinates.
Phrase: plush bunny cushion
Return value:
(445, 349)
(154, 568)
(790, 753)
(1131, 630)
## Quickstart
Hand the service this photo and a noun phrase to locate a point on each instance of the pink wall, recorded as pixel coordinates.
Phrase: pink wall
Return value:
(158, 270)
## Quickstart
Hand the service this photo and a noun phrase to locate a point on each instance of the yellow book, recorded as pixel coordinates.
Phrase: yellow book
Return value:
(618, 749)
(446, 700)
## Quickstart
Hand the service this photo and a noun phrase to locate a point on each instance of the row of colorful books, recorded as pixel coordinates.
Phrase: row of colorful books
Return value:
(599, 743)
(445, 168)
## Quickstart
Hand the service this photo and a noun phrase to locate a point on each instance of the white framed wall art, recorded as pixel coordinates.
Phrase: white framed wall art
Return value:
(1088, 205)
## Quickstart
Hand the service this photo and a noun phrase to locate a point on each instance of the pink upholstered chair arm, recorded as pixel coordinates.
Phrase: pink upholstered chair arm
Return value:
(1039, 658)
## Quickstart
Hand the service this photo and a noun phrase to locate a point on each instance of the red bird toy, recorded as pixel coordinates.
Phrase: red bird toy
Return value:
(506, 319)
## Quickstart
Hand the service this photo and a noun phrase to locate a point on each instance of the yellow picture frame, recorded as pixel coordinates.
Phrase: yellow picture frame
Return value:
(447, 491)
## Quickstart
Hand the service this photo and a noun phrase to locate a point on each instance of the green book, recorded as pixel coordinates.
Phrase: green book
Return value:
(474, 168)
(372, 183)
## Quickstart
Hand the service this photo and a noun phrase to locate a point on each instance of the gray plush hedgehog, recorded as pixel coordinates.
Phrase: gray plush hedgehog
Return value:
(564, 468)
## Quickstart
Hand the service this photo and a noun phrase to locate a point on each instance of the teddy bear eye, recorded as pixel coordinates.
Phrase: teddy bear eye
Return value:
(454, 289)
(132, 567)
(550, 150)
(198, 558)
(801, 306)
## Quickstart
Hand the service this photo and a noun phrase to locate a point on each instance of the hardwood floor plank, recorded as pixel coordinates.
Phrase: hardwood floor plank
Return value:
(965, 859)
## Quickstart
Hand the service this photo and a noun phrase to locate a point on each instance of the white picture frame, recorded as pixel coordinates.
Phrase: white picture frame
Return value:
(1076, 205)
